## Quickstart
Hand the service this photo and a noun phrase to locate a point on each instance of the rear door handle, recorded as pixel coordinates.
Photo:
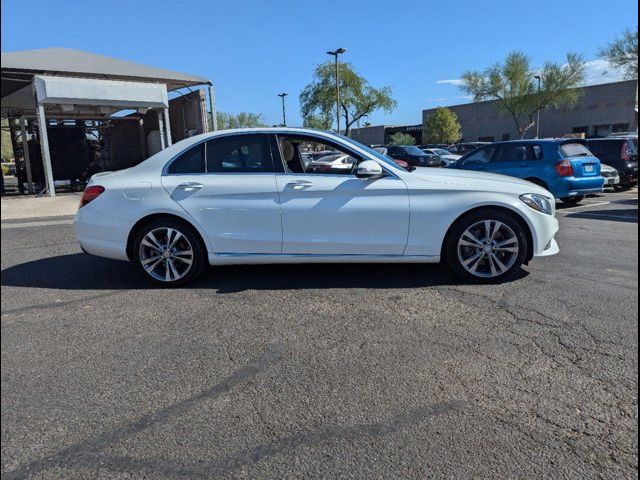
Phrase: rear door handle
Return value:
(299, 184)
(189, 186)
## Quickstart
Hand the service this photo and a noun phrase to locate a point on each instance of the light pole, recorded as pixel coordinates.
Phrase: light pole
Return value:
(539, 78)
(284, 115)
(335, 54)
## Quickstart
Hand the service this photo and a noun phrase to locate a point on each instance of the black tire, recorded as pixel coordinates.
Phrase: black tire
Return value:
(453, 251)
(573, 200)
(189, 240)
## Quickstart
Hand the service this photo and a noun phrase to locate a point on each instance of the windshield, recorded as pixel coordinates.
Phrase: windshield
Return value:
(441, 151)
(569, 150)
(371, 151)
(414, 151)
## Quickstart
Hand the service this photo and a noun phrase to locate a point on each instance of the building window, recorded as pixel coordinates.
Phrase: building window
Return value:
(584, 130)
(620, 127)
(486, 139)
(602, 130)
(506, 137)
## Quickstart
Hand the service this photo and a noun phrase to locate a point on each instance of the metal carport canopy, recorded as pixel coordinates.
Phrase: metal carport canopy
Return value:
(77, 63)
(93, 79)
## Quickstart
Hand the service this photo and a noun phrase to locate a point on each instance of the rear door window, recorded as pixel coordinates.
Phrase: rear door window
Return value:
(512, 153)
(239, 154)
(570, 150)
(191, 161)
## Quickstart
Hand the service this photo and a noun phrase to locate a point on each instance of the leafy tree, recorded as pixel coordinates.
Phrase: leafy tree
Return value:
(622, 53)
(400, 138)
(358, 99)
(7, 148)
(442, 127)
(240, 120)
(320, 122)
(514, 86)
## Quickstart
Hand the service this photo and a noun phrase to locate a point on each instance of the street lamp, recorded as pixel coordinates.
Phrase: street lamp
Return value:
(284, 115)
(335, 54)
(539, 78)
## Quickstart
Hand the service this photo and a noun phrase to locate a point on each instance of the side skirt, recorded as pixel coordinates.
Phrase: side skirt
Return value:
(267, 258)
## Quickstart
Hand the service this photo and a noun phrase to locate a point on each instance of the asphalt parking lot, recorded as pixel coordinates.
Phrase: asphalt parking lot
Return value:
(323, 371)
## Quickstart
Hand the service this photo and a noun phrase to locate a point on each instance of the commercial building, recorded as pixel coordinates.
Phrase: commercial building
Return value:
(603, 109)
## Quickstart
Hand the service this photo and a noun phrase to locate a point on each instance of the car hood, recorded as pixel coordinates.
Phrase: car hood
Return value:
(466, 179)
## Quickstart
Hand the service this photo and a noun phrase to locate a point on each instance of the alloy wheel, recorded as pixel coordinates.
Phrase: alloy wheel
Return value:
(488, 248)
(166, 254)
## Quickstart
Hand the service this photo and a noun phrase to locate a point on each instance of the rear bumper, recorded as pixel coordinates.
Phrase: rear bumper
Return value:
(101, 235)
(574, 186)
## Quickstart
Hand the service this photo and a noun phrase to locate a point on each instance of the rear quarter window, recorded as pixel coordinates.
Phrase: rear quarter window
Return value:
(568, 150)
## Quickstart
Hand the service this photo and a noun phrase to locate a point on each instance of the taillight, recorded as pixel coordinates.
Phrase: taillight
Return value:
(90, 194)
(564, 168)
(625, 152)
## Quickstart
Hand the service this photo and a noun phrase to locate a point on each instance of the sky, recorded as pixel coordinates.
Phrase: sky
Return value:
(252, 50)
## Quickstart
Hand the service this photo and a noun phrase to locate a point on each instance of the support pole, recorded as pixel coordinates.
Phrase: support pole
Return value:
(163, 144)
(44, 150)
(25, 152)
(167, 125)
(213, 126)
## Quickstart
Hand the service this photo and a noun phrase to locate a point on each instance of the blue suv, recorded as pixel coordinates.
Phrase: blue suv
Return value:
(565, 167)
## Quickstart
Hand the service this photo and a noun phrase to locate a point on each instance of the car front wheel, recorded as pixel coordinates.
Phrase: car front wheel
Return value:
(486, 246)
(168, 252)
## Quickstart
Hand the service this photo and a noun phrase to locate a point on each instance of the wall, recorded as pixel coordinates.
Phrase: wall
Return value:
(602, 105)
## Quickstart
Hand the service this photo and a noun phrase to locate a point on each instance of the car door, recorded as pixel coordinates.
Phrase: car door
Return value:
(478, 160)
(514, 160)
(341, 214)
(228, 186)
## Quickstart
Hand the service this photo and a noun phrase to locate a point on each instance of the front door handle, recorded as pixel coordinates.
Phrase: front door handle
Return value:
(189, 186)
(299, 184)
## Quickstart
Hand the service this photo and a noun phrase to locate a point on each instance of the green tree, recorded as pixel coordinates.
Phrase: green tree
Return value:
(400, 138)
(7, 148)
(622, 53)
(442, 127)
(240, 120)
(320, 122)
(358, 99)
(514, 86)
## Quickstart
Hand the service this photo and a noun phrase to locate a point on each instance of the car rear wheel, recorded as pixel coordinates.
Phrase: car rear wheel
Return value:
(169, 252)
(573, 200)
(486, 246)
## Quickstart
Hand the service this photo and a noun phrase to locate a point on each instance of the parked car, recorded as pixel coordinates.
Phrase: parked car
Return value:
(413, 156)
(445, 156)
(610, 175)
(464, 148)
(332, 163)
(619, 152)
(385, 151)
(565, 167)
(188, 206)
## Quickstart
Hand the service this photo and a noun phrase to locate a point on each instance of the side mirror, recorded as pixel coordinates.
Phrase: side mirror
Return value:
(369, 169)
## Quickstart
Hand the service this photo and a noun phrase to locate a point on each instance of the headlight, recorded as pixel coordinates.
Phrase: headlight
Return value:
(539, 202)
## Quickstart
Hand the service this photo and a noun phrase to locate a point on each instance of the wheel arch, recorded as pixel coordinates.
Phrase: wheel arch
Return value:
(155, 216)
(538, 181)
(512, 213)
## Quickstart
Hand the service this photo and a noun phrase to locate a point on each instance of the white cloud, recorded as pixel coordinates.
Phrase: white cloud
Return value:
(600, 71)
(455, 81)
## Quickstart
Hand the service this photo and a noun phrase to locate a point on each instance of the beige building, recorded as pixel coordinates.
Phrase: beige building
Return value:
(604, 109)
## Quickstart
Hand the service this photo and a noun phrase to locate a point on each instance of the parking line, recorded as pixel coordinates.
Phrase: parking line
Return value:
(583, 206)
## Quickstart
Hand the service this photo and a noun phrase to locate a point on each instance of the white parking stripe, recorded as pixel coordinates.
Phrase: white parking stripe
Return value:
(8, 226)
(583, 206)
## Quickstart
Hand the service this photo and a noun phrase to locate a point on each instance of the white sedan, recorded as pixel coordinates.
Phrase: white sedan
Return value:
(245, 197)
